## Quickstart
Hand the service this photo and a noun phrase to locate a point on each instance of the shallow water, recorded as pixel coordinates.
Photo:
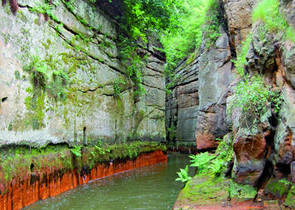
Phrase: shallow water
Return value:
(151, 187)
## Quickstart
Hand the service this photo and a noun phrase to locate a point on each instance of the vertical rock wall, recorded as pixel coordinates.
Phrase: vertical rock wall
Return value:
(264, 151)
(76, 46)
(211, 77)
(182, 105)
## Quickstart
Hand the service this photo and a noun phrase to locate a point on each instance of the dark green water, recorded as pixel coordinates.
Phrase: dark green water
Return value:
(151, 187)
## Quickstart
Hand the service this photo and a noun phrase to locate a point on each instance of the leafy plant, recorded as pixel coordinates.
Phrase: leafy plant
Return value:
(268, 11)
(118, 86)
(241, 61)
(134, 64)
(213, 163)
(255, 98)
(76, 151)
(183, 175)
(184, 35)
(201, 161)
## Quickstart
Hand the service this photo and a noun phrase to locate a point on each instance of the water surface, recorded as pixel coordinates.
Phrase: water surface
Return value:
(151, 187)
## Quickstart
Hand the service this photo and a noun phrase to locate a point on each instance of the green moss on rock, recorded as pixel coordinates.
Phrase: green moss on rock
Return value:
(22, 161)
(208, 190)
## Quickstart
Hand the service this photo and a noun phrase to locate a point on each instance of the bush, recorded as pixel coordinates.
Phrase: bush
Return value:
(254, 97)
(268, 12)
(195, 18)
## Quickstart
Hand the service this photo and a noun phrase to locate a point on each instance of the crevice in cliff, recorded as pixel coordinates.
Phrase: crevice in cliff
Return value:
(155, 70)
(268, 170)
(184, 83)
(266, 175)
(225, 26)
(151, 86)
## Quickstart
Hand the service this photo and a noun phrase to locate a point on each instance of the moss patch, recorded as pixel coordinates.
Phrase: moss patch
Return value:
(278, 188)
(23, 161)
(205, 190)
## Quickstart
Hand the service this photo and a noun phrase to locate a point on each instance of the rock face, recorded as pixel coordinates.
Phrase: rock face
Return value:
(264, 146)
(265, 154)
(63, 81)
(238, 15)
(182, 105)
(215, 78)
(196, 111)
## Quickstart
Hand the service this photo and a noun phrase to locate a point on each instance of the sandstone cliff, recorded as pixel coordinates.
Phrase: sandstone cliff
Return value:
(207, 85)
(62, 80)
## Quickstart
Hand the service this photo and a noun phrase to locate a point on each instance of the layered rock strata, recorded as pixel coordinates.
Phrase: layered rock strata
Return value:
(62, 80)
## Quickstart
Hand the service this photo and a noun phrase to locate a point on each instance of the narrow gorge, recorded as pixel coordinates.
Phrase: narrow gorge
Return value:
(92, 88)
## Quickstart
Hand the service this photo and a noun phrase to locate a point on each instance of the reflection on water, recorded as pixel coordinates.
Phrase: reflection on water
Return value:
(151, 187)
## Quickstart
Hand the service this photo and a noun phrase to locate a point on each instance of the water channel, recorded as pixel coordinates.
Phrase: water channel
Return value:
(151, 187)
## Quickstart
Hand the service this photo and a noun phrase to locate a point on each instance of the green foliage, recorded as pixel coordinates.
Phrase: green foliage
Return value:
(119, 86)
(37, 70)
(241, 61)
(42, 8)
(255, 98)
(172, 132)
(213, 163)
(140, 20)
(76, 151)
(17, 161)
(201, 161)
(268, 11)
(279, 188)
(191, 21)
(142, 17)
(236, 190)
(290, 199)
(35, 105)
(105, 153)
(134, 64)
(47, 76)
(183, 175)
(212, 24)
(47, 79)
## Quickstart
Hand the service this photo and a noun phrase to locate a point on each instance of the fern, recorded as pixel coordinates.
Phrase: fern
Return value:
(183, 175)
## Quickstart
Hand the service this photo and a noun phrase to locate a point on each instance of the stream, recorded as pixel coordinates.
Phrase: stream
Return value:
(151, 187)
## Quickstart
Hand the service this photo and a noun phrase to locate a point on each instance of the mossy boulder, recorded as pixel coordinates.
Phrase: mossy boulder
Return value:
(277, 188)
(207, 190)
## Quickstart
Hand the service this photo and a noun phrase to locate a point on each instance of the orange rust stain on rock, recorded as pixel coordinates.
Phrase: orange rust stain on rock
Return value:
(249, 148)
(206, 141)
(21, 193)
